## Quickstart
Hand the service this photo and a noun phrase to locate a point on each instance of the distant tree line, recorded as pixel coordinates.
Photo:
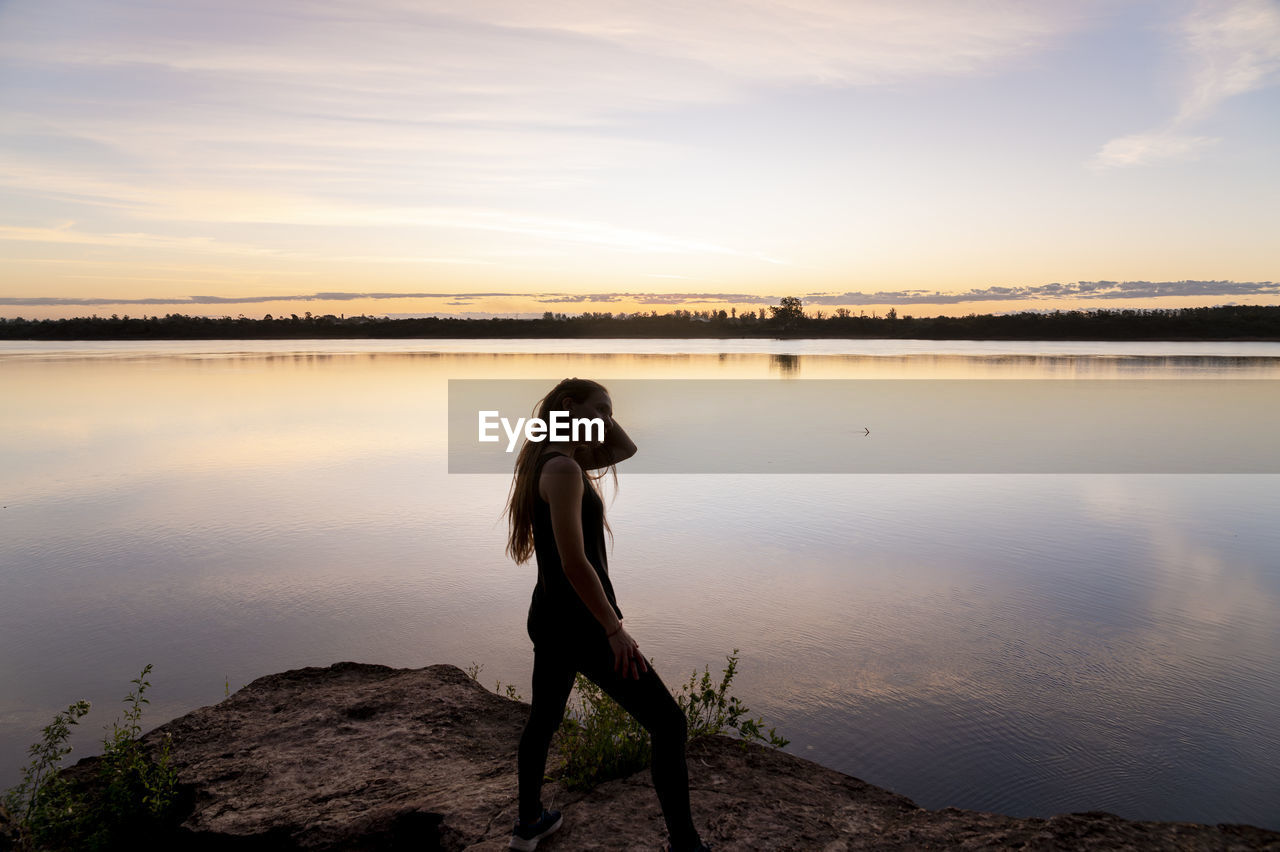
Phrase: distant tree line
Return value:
(787, 319)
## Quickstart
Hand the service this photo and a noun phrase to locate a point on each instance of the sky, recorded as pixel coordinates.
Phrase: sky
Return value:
(402, 157)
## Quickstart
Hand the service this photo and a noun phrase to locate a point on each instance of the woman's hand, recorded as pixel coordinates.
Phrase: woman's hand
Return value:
(627, 659)
(617, 446)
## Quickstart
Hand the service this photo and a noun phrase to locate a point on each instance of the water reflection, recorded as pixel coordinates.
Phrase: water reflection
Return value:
(1028, 644)
(787, 366)
(920, 425)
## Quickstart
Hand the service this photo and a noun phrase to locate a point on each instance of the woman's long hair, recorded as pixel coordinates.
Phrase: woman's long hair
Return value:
(524, 489)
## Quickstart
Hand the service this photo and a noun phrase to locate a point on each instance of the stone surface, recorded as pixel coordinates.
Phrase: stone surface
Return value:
(365, 757)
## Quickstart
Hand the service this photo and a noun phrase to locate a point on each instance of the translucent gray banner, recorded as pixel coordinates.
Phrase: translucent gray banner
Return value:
(903, 426)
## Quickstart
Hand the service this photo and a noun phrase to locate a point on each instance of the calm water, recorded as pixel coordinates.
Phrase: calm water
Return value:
(1030, 644)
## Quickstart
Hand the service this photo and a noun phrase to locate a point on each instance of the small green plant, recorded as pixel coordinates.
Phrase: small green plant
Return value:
(132, 802)
(42, 800)
(710, 709)
(473, 672)
(137, 789)
(599, 740)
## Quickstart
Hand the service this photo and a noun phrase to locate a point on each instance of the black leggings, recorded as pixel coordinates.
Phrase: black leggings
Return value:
(647, 699)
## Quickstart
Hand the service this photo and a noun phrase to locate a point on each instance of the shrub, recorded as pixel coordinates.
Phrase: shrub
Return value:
(473, 671)
(137, 791)
(600, 741)
(42, 801)
(710, 709)
(133, 801)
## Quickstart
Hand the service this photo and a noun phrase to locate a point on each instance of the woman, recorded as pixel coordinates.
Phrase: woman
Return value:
(556, 515)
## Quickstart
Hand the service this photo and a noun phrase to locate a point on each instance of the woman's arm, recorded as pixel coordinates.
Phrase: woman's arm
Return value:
(616, 447)
(562, 485)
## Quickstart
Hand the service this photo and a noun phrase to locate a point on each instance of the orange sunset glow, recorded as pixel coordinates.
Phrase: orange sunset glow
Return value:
(496, 158)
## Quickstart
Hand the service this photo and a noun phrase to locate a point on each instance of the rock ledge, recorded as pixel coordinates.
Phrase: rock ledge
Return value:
(366, 757)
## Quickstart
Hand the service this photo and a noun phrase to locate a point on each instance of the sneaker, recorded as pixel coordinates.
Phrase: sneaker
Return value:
(526, 837)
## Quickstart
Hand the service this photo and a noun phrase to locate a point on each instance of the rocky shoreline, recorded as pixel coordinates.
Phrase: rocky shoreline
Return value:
(366, 757)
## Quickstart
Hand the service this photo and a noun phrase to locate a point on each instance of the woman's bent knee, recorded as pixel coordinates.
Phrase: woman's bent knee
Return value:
(670, 725)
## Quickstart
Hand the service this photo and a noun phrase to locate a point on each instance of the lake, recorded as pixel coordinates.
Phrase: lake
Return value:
(1065, 639)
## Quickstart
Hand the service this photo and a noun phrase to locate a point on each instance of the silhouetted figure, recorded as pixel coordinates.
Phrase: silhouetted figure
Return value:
(556, 515)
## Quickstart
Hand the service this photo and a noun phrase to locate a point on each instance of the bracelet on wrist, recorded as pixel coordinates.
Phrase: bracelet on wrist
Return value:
(615, 630)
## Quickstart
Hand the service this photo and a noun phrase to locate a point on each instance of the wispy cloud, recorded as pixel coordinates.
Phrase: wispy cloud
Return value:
(541, 228)
(564, 230)
(430, 144)
(503, 52)
(67, 234)
(1080, 290)
(840, 42)
(1234, 48)
(485, 99)
(61, 301)
(1229, 48)
(1156, 146)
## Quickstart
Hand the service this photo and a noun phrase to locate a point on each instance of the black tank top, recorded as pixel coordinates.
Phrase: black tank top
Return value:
(556, 611)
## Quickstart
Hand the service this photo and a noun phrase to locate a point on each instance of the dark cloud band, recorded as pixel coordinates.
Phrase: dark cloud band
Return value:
(1081, 290)
(1078, 290)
